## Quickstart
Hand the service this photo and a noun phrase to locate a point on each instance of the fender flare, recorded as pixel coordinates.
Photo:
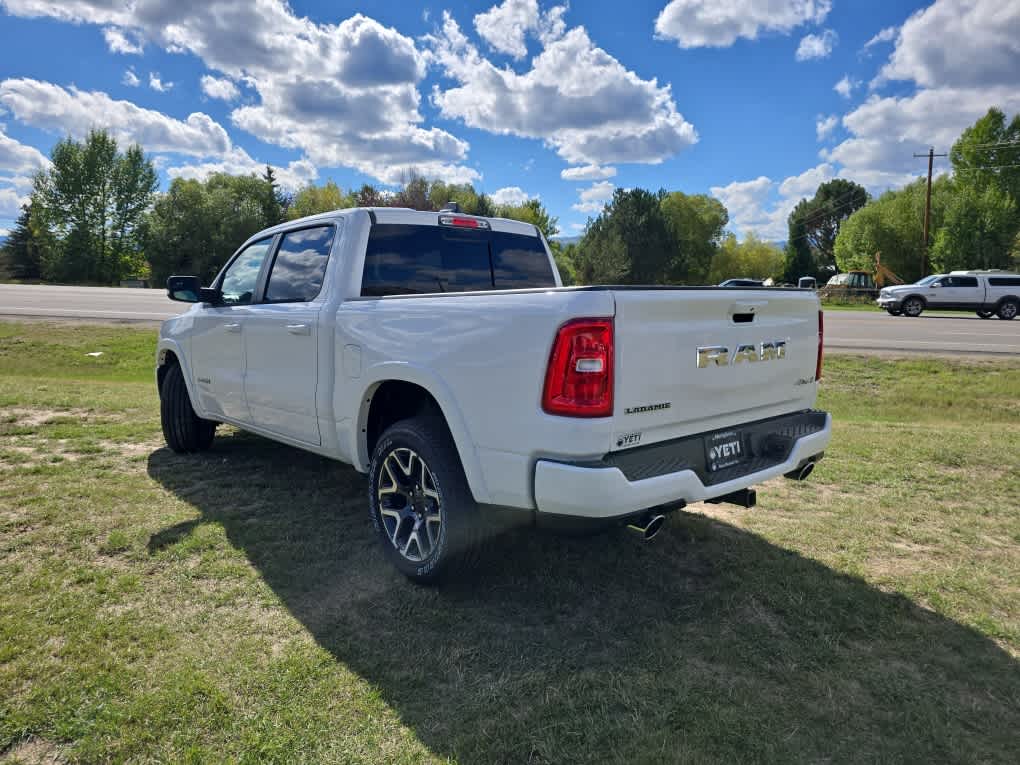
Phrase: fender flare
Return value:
(167, 344)
(425, 378)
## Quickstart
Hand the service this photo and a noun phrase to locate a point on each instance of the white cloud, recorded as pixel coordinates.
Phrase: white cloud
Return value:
(5, 232)
(577, 226)
(505, 27)
(886, 35)
(959, 43)
(345, 94)
(19, 158)
(69, 110)
(594, 198)
(711, 23)
(846, 86)
(11, 202)
(825, 125)
(576, 97)
(220, 88)
(816, 46)
(762, 205)
(238, 162)
(130, 79)
(157, 84)
(955, 84)
(587, 173)
(118, 42)
(511, 195)
(886, 132)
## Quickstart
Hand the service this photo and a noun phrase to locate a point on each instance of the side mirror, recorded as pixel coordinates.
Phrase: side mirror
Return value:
(936, 284)
(188, 289)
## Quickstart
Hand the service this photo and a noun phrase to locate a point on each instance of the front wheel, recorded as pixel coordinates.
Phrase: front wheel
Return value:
(912, 307)
(1008, 310)
(183, 430)
(419, 500)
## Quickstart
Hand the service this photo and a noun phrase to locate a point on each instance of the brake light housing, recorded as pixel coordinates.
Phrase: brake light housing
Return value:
(461, 221)
(579, 377)
(821, 345)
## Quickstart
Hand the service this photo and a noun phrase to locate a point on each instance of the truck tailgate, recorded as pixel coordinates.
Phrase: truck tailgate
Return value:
(695, 360)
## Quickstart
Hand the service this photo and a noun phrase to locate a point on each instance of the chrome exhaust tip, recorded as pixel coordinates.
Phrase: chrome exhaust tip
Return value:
(647, 525)
(802, 472)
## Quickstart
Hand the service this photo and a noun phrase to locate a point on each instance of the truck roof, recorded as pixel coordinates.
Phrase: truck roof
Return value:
(406, 216)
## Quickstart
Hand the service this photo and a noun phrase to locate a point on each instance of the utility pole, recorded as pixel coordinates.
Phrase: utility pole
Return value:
(927, 208)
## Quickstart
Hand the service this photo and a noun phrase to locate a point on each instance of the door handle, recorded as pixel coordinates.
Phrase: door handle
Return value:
(232, 327)
(299, 329)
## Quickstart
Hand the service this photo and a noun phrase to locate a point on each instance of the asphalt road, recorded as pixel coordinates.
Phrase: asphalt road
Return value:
(960, 333)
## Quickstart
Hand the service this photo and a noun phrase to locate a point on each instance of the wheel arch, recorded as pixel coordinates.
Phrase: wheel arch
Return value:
(397, 391)
(168, 354)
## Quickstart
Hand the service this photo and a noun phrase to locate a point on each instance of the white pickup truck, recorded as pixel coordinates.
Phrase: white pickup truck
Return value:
(439, 353)
(987, 293)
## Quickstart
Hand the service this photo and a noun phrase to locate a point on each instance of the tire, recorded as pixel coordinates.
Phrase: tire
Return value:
(183, 430)
(894, 311)
(421, 507)
(986, 314)
(1008, 310)
(912, 307)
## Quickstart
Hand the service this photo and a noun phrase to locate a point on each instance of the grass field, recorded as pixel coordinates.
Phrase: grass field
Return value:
(234, 606)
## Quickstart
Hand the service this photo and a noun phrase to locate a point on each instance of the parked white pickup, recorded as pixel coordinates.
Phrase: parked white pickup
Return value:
(439, 353)
(988, 293)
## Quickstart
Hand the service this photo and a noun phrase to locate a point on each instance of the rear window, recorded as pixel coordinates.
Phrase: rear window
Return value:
(409, 260)
(519, 262)
(1004, 281)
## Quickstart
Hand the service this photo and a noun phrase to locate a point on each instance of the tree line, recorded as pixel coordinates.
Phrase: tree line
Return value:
(96, 216)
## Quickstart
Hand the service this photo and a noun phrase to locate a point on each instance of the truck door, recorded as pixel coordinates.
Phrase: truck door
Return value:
(281, 337)
(217, 344)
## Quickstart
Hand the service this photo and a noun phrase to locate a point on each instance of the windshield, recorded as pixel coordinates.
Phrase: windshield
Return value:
(928, 280)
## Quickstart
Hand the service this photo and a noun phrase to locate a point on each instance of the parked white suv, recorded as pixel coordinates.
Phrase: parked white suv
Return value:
(440, 354)
(988, 293)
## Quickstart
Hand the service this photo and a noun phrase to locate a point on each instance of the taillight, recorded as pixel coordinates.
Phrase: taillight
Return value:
(821, 345)
(579, 378)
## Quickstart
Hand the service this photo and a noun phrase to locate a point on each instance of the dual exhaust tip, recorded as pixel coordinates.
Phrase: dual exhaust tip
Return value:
(650, 524)
(647, 526)
(802, 472)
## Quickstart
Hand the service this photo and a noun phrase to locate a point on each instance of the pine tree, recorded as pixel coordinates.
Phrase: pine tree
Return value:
(21, 251)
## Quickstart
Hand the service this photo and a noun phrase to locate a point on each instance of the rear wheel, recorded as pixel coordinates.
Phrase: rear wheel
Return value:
(420, 503)
(912, 307)
(183, 430)
(1008, 310)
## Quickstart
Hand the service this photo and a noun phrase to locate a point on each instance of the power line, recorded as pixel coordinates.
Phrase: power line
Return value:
(986, 167)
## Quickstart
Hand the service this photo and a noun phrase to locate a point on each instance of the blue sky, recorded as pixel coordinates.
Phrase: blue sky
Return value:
(753, 101)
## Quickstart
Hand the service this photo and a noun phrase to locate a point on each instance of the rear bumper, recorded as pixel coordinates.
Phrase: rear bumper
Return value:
(602, 490)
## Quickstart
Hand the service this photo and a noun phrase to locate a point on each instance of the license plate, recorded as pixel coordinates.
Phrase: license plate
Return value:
(724, 450)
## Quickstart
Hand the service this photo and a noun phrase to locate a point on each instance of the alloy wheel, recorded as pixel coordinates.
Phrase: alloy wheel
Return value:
(409, 504)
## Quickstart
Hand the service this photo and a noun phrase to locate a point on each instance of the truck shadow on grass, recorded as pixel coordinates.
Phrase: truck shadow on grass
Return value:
(707, 644)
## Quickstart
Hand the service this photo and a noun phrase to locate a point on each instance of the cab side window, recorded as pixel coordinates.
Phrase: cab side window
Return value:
(300, 265)
(241, 276)
(965, 281)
